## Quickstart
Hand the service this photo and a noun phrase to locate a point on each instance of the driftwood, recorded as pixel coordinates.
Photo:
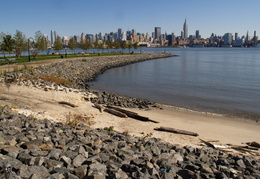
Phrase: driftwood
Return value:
(132, 114)
(111, 111)
(100, 107)
(67, 103)
(117, 113)
(178, 131)
(253, 144)
(208, 143)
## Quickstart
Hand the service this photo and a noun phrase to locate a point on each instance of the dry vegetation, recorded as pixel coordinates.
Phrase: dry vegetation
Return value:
(74, 120)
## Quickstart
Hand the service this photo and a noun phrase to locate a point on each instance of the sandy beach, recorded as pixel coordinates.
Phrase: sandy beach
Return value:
(45, 104)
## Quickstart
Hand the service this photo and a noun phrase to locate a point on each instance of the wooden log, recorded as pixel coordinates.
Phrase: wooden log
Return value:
(117, 113)
(253, 144)
(111, 111)
(208, 143)
(133, 114)
(178, 131)
(67, 103)
(100, 107)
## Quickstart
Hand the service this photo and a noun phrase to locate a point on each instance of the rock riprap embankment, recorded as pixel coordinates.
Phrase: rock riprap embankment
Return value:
(42, 149)
(77, 74)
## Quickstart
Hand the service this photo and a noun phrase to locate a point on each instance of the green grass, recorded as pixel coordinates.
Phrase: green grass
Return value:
(24, 59)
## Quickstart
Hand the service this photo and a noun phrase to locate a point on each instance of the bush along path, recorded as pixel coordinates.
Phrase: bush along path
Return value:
(42, 149)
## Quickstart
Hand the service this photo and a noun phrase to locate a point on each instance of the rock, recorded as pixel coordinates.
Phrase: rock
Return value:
(55, 154)
(97, 169)
(186, 173)
(240, 163)
(81, 171)
(78, 161)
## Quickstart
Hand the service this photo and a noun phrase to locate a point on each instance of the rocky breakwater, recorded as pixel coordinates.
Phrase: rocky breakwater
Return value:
(77, 74)
(35, 149)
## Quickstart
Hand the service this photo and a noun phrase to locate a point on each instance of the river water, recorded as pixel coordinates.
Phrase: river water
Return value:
(219, 80)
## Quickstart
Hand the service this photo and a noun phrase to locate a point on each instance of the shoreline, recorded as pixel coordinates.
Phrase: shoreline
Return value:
(42, 97)
(172, 107)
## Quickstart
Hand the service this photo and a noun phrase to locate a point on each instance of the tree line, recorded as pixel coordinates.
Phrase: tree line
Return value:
(19, 43)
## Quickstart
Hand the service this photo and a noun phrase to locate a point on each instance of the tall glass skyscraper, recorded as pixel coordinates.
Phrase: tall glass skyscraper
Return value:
(157, 32)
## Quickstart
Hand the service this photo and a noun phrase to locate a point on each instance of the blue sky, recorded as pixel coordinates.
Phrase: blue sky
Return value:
(70, 18)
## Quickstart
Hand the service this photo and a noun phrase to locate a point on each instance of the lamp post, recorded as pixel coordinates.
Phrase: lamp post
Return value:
(29, 57)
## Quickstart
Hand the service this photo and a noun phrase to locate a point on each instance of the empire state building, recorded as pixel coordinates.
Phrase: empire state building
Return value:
(185, 29)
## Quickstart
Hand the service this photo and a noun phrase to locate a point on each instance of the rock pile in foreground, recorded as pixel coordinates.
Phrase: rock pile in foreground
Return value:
(42, 149)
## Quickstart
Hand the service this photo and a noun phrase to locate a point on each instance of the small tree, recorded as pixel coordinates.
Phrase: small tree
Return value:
(57, 44)
(20, 43)
(116, 44)
(85, 45)
(123, 46)
(108, 44)
(2, 35)
(135, 45)
(129, 45)
(8, 44)
(72, 44)
(40, 41)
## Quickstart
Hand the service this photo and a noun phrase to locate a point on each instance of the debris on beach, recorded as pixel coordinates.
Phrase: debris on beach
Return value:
(178, 131)
(123, 113)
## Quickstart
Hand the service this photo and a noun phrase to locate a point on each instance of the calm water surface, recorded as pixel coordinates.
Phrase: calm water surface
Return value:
(220, 80)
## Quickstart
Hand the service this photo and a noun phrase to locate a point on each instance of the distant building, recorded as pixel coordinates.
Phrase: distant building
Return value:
(119, 34)
(157, 33)
(82, 37)
(228, 39)
(236, 36)
(182, 34)
(52, 38)
(197, 34)
(255, 39)
(133, 31)
(239, 42)
(185, 29)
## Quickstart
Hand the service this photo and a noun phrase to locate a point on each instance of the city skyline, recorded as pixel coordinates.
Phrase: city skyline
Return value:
(218, 17)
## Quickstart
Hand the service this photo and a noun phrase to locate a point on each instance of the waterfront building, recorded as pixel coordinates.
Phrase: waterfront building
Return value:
(82, 37)
(228, 39)
(255, 39)
(133, 31)
(239, 42)
(157, 33)
(77, 39)
(197, 34)
(236, 36)
(182, 34)
(52, 38)
(100, 36)
(185, 29)
(55, 35)
(123, 36)
(119, 34)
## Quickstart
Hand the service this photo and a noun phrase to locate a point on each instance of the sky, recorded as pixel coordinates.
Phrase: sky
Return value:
(69, 18)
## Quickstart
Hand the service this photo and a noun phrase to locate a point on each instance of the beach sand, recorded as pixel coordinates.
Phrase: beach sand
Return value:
(45, 104)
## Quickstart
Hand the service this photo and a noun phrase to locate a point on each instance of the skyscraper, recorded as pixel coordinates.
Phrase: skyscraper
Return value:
(197, 34)
(236, 36)
(157, 32)
(52, 37)
(119, 33)
(185, 29)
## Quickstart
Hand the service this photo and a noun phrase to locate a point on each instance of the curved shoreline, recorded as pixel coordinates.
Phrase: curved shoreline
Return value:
(80, 71)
